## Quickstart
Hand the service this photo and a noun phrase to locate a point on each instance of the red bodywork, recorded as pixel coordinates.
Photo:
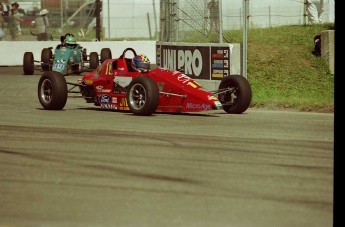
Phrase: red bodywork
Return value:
(177, 91)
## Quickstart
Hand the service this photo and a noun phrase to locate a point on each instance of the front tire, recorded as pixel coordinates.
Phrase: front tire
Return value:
(46, 55)
(143, 96)
(52, 90)
(239, 96)
(28, 63)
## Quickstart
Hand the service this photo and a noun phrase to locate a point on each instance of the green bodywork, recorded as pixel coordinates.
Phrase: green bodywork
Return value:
(68, 59)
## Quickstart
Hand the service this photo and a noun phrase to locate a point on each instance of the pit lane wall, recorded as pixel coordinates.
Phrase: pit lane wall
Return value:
(12, 52)
(206, 63)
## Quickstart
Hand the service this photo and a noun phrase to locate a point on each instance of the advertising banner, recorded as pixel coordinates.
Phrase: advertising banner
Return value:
(198, 61)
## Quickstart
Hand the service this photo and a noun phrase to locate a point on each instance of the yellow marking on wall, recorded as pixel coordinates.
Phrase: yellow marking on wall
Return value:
(219, 75)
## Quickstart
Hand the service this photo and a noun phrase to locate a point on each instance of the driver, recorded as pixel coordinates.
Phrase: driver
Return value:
(141, 63)
(70, 40)
(67, 40)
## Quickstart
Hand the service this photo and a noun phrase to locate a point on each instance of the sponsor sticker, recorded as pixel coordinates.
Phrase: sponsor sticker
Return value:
(99, 88)
(122, 81)
(219, 104)
(104, 99)
(109, 106)
(123, 105)
(198, 106)
(88, 82)
(212, 98)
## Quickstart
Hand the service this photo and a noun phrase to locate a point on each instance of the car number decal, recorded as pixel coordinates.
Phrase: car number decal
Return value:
(58, 66)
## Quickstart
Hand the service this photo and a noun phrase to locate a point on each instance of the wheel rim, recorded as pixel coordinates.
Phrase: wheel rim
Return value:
(230, 97)
(137, 96)
(46, 91)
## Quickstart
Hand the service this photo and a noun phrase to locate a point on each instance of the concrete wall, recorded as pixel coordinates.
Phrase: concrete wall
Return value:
(327, 48)
(12, 52)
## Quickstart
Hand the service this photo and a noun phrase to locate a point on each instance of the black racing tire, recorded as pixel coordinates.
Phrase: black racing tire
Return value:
(239, 98)
(94, 60)
(46, 56)
(28, 63)
(84, 54)
(52, 90)
(142, 96)
(105, 54)
(76, 68)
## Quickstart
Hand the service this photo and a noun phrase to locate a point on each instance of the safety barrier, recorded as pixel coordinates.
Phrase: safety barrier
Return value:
(12, 52)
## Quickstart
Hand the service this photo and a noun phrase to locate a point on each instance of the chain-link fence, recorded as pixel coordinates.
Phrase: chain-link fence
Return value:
(188, 20)
(63, 16)
(199, 20)
(164, 20)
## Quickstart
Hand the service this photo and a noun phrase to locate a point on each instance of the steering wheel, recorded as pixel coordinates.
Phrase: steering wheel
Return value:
(127, 49)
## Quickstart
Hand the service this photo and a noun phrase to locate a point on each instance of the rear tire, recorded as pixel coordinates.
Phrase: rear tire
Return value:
(76, 68)
(84, 54)
(28, 63)
(238, 99)
(94, 60)
(46, 55)
(52, 90)
(105, 54)
(143, 96)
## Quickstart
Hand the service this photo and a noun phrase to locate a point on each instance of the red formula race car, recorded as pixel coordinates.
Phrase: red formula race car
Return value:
(128, 84)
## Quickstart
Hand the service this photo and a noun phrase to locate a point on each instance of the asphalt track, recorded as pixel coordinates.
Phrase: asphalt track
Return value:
(83, 166)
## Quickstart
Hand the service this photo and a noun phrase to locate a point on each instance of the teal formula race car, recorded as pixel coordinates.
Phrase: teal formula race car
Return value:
(68, 58)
